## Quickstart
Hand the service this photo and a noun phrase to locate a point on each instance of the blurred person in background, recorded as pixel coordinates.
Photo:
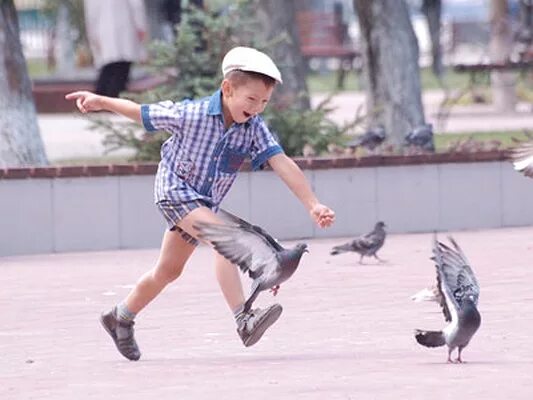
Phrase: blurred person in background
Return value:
(116, 30)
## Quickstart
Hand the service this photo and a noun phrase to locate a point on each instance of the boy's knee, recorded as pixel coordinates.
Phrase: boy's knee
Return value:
(167, 273)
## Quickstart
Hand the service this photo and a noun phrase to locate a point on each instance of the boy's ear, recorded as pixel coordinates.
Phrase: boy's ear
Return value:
(226, 88)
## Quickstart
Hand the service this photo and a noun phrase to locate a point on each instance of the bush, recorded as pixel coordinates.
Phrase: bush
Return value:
(191, 66)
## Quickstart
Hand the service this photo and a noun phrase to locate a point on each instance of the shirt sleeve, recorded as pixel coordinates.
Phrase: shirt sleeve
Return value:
(264, 145)
(165, 116)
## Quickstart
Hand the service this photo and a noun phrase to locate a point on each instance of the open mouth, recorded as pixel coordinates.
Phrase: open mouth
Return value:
(247, 115)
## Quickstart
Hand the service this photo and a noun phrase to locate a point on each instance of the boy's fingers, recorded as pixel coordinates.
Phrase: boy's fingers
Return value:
(73, 95)
(79, 103)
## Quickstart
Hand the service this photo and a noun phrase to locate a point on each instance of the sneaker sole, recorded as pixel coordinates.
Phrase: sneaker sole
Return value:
(268, 320)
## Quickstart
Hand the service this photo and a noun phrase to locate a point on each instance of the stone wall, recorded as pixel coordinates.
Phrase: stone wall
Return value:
(80, 208)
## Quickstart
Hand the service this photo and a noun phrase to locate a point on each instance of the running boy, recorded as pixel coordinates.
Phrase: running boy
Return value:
(210, 139)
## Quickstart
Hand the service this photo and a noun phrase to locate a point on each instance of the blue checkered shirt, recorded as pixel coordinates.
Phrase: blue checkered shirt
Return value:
(201, 159)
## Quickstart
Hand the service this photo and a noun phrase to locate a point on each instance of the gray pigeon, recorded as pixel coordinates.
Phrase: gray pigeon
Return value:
(522, 157)
(255, 252)
(365, 245)
(370, 139)
(459, 292)
(422, 137)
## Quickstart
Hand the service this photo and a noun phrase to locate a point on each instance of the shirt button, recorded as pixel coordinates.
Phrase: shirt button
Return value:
(210, 179)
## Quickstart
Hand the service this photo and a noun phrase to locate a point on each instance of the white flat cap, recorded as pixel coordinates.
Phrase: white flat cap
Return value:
(251, 60)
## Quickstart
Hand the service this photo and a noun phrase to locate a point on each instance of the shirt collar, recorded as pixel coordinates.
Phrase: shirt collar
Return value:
(215, 103)
(215, 107)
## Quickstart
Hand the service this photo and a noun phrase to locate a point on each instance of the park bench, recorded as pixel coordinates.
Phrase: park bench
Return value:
(324, 35)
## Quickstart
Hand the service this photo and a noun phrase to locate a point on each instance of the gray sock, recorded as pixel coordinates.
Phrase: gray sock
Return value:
(124, 313)
(237, 313)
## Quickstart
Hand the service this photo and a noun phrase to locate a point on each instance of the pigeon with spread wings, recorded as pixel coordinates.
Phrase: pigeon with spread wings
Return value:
(255, 252)
(459, 291)
(522, 157)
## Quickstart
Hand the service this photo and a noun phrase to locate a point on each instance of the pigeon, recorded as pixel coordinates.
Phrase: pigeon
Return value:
(365, 245)
(257, 253)
(522, 157)
(422, 137)
(459, 290)
(370, 139)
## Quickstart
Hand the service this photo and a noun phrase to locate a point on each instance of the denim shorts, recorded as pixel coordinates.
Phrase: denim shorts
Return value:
(174, 212)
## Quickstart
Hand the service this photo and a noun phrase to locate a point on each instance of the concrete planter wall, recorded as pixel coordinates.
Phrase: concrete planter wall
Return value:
(45, 210)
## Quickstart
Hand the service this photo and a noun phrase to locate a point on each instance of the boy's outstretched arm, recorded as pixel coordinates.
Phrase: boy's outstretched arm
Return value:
(88, 101)
(295, 179)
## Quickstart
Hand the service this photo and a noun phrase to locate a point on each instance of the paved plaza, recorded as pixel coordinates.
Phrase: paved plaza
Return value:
(345, 333)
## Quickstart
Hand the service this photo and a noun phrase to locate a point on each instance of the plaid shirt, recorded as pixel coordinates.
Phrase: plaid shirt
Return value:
(201, 159)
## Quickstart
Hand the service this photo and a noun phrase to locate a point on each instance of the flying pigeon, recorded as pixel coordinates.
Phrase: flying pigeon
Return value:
(255, 252)
(422, 137)
(522, 157)
(459, 289)
(370, 139)
(365, 245)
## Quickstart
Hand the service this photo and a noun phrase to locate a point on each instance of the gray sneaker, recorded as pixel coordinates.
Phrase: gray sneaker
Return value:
(252, 325)
(122, 334)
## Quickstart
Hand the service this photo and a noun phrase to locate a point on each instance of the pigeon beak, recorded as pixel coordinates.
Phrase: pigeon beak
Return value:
(306, 251)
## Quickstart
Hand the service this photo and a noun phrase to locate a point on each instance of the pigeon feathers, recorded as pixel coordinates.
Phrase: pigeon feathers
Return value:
(459, 295)
(522, 158)
(254, 251)
(365, 245)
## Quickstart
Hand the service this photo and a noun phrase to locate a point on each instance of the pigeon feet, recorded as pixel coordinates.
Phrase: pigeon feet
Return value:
(274, 290)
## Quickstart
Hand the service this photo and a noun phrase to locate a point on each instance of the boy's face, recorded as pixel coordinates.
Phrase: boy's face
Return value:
(243, 101)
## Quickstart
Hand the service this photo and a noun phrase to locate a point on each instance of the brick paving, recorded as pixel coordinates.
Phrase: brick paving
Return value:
(346, 330)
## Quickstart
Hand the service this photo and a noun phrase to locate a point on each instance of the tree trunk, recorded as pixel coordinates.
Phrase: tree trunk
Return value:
(503, 82)
(432, 9)
(279, 17)
(390, 66)
(20, 141)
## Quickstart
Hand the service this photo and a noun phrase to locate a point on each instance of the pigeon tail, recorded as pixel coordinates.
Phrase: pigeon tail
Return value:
(343, 248)
(430, 338)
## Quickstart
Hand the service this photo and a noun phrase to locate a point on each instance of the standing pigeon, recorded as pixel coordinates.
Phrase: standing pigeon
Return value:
(255, 252)
(459, 289)
(370, 139)
(522, 157)
(422, 137)
(365, 245)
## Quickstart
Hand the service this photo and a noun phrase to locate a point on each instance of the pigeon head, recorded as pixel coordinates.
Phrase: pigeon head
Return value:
(380, 225)
(302, 248)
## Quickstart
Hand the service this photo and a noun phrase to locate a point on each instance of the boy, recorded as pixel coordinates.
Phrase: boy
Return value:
(199, 162)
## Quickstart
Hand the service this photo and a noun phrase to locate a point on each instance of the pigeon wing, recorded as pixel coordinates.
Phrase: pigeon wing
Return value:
(447, 301)
(242, 246)
(461, 272)
(455, 277)
(366, 242)
(522, 157)
(246, 225)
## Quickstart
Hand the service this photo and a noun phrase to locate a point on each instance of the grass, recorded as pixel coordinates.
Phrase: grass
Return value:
(443, 141)
(318, 83)
(37, 67)
(353, 81)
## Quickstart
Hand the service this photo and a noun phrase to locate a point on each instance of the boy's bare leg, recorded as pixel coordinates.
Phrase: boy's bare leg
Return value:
(227, 273)
(250, 325)
(118, 322)
(173, 255)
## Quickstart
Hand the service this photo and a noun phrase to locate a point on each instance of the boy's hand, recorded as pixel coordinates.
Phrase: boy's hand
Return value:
(322, 215)
(86, 101)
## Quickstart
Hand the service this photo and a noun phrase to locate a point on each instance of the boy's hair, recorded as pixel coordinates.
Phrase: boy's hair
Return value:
(238, 78)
